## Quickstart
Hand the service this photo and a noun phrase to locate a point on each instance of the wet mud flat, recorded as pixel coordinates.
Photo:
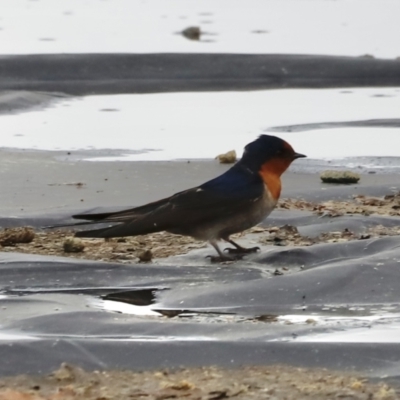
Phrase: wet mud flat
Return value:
(321, 293)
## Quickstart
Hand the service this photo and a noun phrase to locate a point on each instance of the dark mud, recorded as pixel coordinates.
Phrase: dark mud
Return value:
(88, 74)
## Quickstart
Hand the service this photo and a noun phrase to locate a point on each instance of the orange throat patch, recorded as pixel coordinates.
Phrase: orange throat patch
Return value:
(271, 172)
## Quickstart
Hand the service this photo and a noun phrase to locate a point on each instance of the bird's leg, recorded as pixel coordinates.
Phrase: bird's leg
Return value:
(239, 249)
(221, 256)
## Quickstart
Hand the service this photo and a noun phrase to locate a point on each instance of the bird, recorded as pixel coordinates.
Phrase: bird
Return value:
(237, 200)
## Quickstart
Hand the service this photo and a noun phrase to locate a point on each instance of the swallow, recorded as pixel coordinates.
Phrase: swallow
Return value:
(235, 201)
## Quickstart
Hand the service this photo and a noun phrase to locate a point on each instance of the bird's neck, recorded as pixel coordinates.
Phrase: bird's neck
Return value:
(270, 173)
(273, 183)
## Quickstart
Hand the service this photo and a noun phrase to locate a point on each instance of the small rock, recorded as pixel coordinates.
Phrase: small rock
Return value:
(227, 158)
(192, 33)
(12, 236)
(73, 245)
(145, 256)
(267, 318)
(345, 177)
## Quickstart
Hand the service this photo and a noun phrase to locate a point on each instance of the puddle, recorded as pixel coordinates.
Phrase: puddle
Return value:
(371, 334)
(383, 328)
(15, 337)
(116, 306)
(138, 297)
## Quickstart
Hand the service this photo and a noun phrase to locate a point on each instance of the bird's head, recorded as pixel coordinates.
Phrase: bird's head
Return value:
(269, 152)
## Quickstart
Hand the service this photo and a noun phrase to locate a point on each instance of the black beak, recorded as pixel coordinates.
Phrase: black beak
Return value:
(298, 155)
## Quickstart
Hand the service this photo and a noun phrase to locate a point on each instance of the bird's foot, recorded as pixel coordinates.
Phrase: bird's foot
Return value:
(242, 250)
(223, 258)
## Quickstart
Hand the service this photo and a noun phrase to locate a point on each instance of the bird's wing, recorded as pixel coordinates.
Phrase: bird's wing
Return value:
(226, 195)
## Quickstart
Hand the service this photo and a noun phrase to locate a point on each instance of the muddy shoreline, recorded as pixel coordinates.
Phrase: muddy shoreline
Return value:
(60, 182)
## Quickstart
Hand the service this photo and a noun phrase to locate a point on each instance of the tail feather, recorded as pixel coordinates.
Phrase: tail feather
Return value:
(94, 233)
(124, 215)
(105, 217)
(73, 225)
(127, 229)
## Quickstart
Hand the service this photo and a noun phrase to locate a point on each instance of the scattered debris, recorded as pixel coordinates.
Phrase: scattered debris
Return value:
(250, 382)
(288, 235)
(192, 33)
(73, 245)
(344, 177)
(227, 158)
(126, 251)
(283, 236)
(365, 205)
(13, 236)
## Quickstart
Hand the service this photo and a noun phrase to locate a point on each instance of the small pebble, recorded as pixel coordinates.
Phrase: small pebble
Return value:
(73, 245)
(145, 256)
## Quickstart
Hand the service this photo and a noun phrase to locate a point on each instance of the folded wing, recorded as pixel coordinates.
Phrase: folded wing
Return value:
(221, 197)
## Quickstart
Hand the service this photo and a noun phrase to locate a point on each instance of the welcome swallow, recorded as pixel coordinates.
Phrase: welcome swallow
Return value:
(230, 203)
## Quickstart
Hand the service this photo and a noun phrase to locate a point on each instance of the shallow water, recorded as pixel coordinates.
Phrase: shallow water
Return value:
(350, 27)
(202, 125)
